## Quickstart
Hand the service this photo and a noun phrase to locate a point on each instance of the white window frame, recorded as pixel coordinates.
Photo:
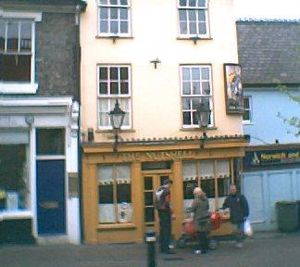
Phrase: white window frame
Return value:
(119, 6)
(22, 87)
(249, 110)
(196, 8)
(114, 97)
(210, 96)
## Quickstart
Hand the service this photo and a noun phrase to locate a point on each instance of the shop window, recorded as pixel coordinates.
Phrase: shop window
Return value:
(203, 173)
(114, 191)
(14, 179)
(50, 141)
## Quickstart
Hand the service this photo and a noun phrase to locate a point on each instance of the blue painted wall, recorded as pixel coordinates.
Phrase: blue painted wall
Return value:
(266, 126)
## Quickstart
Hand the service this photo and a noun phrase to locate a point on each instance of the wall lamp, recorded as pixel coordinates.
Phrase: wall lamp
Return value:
(203, 116)
(116, 118)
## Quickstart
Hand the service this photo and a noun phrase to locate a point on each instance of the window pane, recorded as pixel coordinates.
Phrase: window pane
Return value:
(223, 187)
(196, 88)
(201, 3)
(114, 89)
(195, 73)
(114, 73)
(25, 44)
(149, 214)
(14, 180)
(104, 26)
(103, 13)
(205, 73)
(186, 88)
(12, 36)
(202, 28)
(103, 73)
(2, 35)
(186, 104)
(50, 141)
(201, 15)
(192, 15)
(183, 28)
(124, 2)
(193, 28)
(124, 73)
(246, 116)
(17, 68)
(246, 103)
(185, 73)
(124, 27)
(188, 189)
(148, 184)
(186, 118)
(103, 88)
(106, 194)
(206, 88)
(208, 186)
(114, 2)
(124, 88)
(182, 15)
(113, 13)
(114, 27)
(123, 193)
(182, 2)
(124, 13)
(193, 2)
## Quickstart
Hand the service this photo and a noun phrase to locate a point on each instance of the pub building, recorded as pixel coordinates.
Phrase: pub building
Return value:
(119, 187)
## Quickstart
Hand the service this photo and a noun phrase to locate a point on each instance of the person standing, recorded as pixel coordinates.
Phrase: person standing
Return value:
(165, 214)
(200, 208)
(239, 211)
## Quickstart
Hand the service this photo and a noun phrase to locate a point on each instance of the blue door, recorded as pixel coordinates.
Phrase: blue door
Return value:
(51, 210)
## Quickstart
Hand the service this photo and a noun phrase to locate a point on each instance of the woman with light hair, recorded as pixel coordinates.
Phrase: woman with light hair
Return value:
(200, 208)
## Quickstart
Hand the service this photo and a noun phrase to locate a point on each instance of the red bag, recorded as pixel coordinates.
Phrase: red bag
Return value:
(215, 220)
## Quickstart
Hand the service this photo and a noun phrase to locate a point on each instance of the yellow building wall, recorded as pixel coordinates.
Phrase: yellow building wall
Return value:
(156, 101)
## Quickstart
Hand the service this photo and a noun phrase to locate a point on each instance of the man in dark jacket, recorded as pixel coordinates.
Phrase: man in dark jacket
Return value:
(239, 211)
(165, 214)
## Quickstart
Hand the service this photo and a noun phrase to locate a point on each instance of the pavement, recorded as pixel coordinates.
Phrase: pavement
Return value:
(270, 249)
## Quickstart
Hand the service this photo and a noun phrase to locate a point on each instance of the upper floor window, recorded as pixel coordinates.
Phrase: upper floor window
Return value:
(193, 17)
(114, 17)
(196, 87)
(247, 115)
(16, 40)
(113, 84)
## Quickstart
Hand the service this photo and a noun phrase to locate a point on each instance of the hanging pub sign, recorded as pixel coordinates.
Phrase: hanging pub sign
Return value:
(233, 89)
(267, 158)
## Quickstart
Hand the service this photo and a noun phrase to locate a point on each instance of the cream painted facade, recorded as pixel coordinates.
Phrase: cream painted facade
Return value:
(156, 146)
(156, 92)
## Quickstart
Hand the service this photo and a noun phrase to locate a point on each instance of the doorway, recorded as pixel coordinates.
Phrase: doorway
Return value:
(152, 181)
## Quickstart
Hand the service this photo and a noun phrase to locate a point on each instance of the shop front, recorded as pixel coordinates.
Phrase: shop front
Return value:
(118, 187)
(38, 151)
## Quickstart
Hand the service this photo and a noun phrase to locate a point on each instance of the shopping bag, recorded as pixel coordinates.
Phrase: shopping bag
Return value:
(248, 231)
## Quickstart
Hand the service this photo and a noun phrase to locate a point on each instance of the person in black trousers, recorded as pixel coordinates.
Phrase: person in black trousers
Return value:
(165, 214)
(239, 211)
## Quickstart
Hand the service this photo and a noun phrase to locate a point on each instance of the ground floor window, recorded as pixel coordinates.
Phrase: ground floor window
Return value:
(114, 193)
(214, 177)
(14, 177)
